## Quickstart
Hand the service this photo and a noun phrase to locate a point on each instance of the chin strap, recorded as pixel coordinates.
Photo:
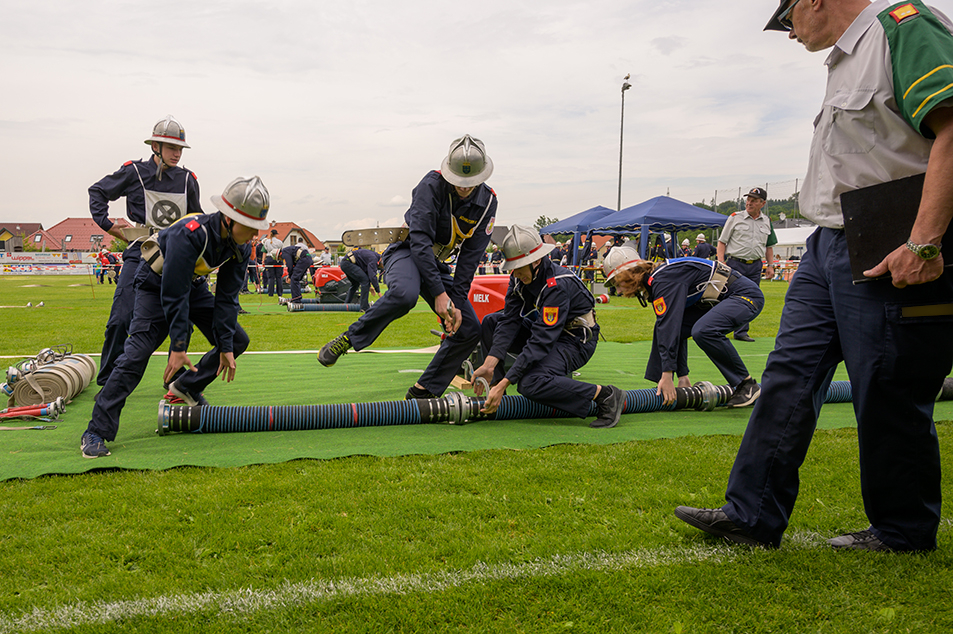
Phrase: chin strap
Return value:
(230, 240)
(162, 164)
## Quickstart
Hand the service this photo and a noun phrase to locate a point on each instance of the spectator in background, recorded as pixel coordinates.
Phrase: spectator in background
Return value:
(686, 249)
(326, 259)
(746, 241)
(272, 271)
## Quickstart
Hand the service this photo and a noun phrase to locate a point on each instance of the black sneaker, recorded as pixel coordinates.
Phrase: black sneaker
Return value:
(611, 401)
(178, 396)
(715, 522)
(332, 350)
(861, 540)
(745, 394)
(93, 446)
(418, 392)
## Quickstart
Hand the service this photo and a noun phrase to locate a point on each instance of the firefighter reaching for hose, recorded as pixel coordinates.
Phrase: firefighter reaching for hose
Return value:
(549, 324)
(171, 292)
(693, 298)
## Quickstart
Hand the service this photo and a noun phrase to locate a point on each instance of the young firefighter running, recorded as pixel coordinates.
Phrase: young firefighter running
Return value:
(693, 298)
(171, 291)
(549, 323)
(452, 212)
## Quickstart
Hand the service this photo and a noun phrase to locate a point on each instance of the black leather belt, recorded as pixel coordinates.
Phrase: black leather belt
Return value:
(731, 257)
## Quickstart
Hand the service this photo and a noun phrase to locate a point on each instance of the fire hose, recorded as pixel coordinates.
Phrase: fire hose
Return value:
(55, 373)
(454, 409)
(311, 307)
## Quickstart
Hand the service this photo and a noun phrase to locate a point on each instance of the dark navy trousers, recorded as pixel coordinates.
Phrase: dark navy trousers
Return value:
(403, 288)
(273, 276)
(708, 328)
(752, 272)
(147, 330)
(896, 362)
(549, 382)
(117, 326)
(358, 278)
(296, 276)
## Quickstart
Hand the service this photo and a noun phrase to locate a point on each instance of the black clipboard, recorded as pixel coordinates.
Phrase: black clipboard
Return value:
(878, 219)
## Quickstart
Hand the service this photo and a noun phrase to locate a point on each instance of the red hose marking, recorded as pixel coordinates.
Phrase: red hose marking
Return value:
(354, 409)
(271, 418)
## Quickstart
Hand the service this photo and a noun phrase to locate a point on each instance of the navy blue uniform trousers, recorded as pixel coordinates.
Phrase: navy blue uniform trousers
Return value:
(708, 327)
(273, 276)
(296, 276)
(117, 326)
(403, 288)
(358, 278)
(549, 381)
(752, 272)
(896, 364)
(147, 331)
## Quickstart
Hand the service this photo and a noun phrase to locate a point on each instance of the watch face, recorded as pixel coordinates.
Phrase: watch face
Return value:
(929, 251)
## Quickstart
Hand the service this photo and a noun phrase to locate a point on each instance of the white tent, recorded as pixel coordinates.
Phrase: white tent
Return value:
(792, 241)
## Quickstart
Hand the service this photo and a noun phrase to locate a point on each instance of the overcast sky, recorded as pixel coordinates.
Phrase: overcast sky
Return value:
(342, 107)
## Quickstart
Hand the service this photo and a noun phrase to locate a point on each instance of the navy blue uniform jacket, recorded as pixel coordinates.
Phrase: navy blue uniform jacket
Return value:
(124, 182)
(182, 245)
(553, 299)
(429, 218)
(673, 288)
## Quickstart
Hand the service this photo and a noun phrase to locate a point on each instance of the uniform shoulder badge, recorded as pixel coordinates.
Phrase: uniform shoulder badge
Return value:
(903, 12)
(659, 306)
(551, 282)
(489, 226)
(550, 315)
(192, 225)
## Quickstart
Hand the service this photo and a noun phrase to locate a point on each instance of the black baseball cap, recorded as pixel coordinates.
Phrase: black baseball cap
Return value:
(757, 192)
(775, 25)
(274, 232)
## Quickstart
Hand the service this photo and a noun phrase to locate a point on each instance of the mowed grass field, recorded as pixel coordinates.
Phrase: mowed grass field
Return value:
(561, 539)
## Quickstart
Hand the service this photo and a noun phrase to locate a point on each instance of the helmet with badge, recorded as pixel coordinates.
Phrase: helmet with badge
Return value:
(522, 246)
(168, 130)
(466, 164)
(246, 201)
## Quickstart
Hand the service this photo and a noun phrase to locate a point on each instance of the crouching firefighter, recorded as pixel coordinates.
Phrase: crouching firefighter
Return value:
(695, 298)
(171, 292)
(548, 322)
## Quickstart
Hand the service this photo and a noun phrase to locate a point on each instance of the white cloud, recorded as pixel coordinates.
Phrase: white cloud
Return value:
(341, 108)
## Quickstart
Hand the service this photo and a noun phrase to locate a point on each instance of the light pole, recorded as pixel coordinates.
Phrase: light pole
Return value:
(625, 86)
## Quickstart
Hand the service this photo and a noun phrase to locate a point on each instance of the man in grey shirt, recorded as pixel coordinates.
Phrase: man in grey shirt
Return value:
(746, 241)
(887, 114)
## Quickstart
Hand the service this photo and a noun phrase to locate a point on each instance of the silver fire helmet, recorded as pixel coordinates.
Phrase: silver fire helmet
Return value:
(245, 201)
(466, 164)
(522, 246)
(168, 130)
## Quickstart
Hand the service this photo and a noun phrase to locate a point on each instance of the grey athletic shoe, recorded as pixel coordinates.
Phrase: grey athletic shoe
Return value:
(93, 446)
(332, 350)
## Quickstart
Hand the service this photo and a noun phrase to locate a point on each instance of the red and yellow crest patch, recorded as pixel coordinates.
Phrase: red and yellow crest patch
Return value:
(550, 315)
(903, 12)
(659, 306)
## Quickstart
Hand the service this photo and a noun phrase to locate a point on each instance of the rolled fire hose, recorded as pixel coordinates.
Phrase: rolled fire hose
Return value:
(454, 409)
(51, 375)
(295, 307)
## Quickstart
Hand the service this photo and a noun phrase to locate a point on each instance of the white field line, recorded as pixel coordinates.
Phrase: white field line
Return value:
(250, 600)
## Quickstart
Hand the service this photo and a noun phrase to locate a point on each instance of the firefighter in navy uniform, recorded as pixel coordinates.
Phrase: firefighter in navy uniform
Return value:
(360, 266)
(171, 293)
(451, 213)
(693, 298)
(297, 259)
(549, 323)
(158, 192)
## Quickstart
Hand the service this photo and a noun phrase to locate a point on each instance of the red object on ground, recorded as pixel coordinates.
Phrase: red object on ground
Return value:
(327, 274)
(488, 293)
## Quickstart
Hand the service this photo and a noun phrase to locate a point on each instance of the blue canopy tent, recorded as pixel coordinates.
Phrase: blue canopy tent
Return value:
(659, 214)
(577, 225)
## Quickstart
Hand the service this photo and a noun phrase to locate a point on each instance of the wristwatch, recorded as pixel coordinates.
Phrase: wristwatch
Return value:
(925, 251)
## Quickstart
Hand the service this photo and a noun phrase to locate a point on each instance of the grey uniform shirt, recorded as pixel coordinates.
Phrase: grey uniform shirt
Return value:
(860, 136)
(746, 238)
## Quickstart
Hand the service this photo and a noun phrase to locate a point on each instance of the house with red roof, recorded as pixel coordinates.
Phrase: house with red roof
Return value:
(76, 234)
